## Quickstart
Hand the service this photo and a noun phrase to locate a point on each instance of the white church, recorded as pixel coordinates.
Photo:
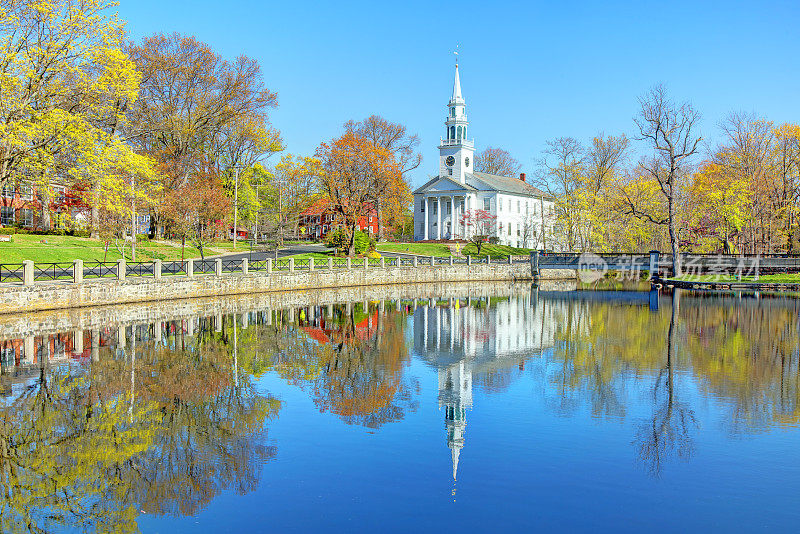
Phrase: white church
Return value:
(446, 208)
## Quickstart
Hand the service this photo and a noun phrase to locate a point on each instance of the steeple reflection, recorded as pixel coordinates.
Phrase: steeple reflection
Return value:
(479, 336)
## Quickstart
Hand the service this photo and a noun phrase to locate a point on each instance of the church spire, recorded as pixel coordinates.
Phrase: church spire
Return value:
(457, 88)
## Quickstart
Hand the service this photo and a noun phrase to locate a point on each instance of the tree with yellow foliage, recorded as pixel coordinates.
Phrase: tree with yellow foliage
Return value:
(64, 85)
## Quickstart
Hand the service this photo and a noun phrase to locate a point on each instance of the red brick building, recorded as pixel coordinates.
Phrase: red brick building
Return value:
(319, 219)
(21, 206)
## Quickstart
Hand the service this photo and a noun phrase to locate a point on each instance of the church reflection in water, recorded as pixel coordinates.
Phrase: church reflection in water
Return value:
(461, 338)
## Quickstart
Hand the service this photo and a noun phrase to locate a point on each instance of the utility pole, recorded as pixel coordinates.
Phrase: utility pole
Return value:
(235, 206)
(133, 218)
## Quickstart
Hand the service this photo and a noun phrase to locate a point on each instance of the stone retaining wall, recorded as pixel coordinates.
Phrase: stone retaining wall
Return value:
(47, 322)
(60, 295)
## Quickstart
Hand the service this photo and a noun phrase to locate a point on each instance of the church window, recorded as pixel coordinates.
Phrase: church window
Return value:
(452, 132)
(449, 208)
(487, 204)
(422, 206)
(449, 172)
(465, 132)
(452, 112)
(435, 208)
(458, 132)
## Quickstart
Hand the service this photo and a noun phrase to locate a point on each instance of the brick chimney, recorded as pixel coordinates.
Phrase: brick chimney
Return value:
(522, 176)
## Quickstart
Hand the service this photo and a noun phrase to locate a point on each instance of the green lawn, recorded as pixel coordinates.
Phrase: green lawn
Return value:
(55, 248)
(440, 249)
(495, 251)
(779, 278)
(424, 249)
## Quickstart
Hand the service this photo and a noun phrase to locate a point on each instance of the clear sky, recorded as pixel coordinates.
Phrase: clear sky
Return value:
(530, 71)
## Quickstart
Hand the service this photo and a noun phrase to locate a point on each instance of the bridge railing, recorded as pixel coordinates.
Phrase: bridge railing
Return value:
(661, 264)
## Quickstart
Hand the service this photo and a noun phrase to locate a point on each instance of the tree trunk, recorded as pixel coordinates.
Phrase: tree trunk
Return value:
(673, 238)
(351, 241)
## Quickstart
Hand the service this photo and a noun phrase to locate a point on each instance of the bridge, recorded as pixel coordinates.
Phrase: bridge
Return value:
(659, 265)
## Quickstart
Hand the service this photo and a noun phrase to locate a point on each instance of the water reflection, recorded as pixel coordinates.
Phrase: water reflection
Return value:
(99, 426)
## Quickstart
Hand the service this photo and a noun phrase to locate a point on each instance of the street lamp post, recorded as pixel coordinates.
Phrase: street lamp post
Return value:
(235, 205)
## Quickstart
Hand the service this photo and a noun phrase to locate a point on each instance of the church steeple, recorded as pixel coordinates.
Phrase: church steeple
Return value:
(455, 150)
(457, 89)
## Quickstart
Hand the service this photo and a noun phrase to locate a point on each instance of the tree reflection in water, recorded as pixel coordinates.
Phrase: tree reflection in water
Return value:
(150, 427)
(669, 432)
(170, 416)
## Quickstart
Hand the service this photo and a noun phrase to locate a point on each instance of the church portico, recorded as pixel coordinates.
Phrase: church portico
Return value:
(444, 213)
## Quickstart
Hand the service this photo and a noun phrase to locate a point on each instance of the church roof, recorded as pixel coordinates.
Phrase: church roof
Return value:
(424, 187)
(508, 184)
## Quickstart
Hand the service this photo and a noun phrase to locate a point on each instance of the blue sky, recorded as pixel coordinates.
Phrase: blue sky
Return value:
(530, 71)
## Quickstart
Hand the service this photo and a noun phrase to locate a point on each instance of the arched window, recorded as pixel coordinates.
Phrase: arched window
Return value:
(458, 133)
(452, 132)
(465, 132)
(452, 112)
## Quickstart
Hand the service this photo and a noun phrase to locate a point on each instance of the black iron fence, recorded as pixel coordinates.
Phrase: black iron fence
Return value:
(15, 272)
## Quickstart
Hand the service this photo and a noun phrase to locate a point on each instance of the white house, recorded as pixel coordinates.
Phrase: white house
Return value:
(446, 205)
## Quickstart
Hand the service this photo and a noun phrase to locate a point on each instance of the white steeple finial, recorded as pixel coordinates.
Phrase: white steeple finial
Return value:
(454, 452)
(457, 84)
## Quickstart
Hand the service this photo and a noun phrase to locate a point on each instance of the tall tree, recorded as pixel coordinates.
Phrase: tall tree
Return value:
(496, 161)
(64, 84)
(403, 146)
(356, 173)
(195, 107)
(669, 129)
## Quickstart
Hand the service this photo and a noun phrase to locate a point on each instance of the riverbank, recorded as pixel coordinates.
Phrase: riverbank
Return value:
(17, 298)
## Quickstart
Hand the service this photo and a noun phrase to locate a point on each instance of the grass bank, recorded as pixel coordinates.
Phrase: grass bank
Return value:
(58, 249)
(440, 249)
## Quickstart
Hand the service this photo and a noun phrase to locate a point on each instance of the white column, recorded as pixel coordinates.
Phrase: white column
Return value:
(424, 325)
(439, 217)
(452, 216)
(425, 203)
(467, 202)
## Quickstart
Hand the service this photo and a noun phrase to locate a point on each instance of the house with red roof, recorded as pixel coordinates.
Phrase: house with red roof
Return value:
(320, 219)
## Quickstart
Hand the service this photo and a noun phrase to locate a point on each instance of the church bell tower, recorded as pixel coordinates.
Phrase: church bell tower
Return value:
(455, 150)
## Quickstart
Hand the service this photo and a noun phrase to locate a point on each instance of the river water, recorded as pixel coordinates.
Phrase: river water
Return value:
(493, 410)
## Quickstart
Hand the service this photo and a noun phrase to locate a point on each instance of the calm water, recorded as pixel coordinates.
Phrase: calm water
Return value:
(570, 411)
